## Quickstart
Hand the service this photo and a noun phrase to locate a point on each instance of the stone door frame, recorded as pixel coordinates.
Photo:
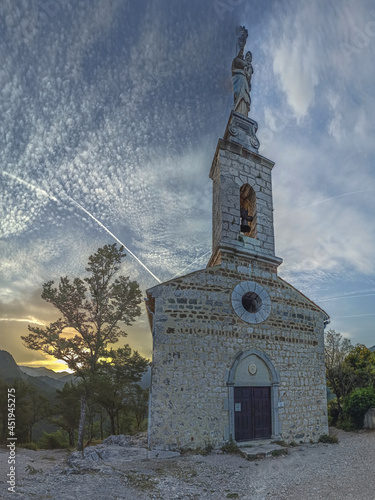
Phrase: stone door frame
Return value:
(275, 381)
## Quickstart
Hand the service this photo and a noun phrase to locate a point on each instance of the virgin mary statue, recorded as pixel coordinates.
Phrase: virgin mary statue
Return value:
(242, 71)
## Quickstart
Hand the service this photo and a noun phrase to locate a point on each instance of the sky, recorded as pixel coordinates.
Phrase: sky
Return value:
(110, 115)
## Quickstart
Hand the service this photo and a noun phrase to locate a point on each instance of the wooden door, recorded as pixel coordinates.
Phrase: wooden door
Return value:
(252, 413)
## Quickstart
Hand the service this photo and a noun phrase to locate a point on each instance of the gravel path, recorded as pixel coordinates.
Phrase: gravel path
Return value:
(309, 472)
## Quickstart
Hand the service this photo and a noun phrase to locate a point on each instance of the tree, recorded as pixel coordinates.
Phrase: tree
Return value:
(361, 361)
(4, 410)
(38, 409)
(139, 404)
(116, 380)
(68, 409)
(91, 309)
(339, 376)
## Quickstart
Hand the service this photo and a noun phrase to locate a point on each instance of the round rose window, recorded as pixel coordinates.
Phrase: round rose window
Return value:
(251, 302)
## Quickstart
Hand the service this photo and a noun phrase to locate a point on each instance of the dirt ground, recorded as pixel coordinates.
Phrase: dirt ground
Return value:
(345, 471)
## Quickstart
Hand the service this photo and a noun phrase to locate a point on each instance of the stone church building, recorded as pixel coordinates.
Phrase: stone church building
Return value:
(238, 353)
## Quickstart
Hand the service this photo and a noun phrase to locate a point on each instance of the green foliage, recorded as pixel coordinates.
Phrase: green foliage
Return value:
(31, 407)
(138, 404)
(53, 441)
(350, 375)
(231, 447)
(115, 387)
(67, 409)
(339, 375)
(333, 411)
(345, 425)
(357, 403)
(92, 307)
(326, 438)
(279, 453)
(38, 409)
(361, 363)
(280, 443)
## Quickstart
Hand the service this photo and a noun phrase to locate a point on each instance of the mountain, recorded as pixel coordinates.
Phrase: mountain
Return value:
(43, 378)
(372, 348)
(41, 371)
(9, 369)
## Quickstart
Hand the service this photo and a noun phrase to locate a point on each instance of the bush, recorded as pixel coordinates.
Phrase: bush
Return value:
(231, 447)
(345, 425)
(357, 403)
(333, 411)
(53, 441)
(326, 438)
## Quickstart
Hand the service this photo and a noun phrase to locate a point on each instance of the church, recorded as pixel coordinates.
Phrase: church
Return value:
(238, 353)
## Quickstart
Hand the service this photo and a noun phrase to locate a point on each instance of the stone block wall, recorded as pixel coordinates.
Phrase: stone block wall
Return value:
(197, 338)
(234, 166)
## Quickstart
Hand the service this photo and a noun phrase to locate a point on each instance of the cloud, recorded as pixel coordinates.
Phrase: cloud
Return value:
(118, 106)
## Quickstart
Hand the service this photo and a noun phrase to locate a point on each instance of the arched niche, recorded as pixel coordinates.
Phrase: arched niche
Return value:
(248, 212)
(254, 368)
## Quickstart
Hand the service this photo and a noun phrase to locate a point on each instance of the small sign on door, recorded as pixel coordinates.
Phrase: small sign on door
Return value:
(237, 406)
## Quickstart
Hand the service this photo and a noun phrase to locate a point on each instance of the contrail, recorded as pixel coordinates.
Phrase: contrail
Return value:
(322, 201)
(339, 297)
(37, 189)
(31, 186)
(111, 234)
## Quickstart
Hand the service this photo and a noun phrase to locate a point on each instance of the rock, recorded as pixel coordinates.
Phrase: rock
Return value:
(262, 451)
(162, 454)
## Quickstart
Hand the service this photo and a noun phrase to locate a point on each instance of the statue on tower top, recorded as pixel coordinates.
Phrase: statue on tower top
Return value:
(242, 71)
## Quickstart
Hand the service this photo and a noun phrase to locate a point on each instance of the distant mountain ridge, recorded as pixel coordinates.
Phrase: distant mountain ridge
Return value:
(41, 371)
(10, 371)
(43, 378)
(372, 348)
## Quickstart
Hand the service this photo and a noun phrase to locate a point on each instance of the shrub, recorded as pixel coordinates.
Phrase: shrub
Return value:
(357, 403)
(345, 425)
(333, 411)
(279, 453)
(53, 441)
(230, 447)
(326, 438)
(280, 442)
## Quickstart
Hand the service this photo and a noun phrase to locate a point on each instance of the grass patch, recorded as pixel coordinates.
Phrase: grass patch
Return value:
(254, 458)
(142, 481)
(232, 495)
(280, 443)
(231, 447)
(279, 453)
(326, 438)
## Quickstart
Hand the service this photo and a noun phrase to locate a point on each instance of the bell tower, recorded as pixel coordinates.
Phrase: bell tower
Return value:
(242, 215)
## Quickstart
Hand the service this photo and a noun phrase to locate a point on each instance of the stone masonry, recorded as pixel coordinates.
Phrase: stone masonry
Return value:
(236, 325)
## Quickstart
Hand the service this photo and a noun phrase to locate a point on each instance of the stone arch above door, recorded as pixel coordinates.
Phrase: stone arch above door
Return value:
(267, 373)
(262, 374)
